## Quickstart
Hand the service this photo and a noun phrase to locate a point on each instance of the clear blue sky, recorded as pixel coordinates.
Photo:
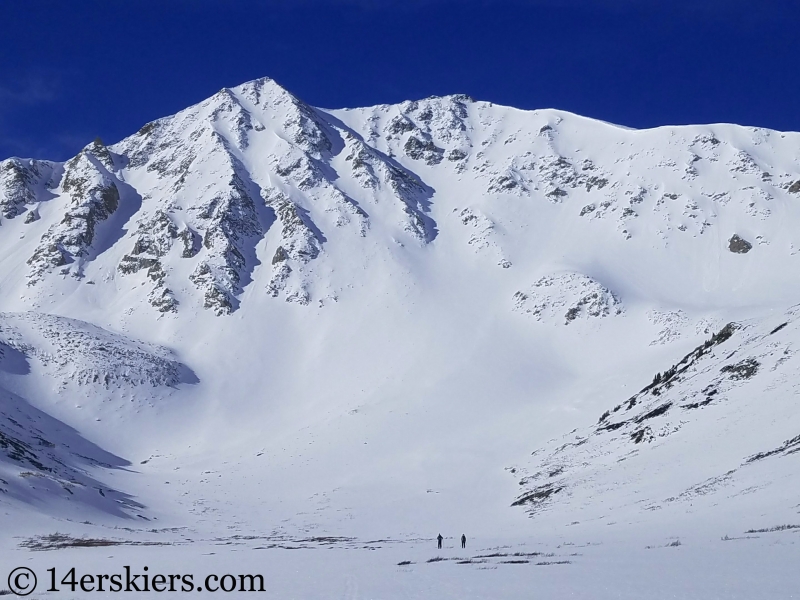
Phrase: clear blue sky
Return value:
(70, 71)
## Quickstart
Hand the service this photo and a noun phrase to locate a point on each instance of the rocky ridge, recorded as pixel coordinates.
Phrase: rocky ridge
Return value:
(710, 390)
(253, 179)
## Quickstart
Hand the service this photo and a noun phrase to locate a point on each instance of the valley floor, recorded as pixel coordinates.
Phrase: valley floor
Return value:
(631, 566)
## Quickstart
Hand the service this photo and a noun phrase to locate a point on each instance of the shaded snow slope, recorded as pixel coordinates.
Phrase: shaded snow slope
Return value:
(47, 464)
(48, 467)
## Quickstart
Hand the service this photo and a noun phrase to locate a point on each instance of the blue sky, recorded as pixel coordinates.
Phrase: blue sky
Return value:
(71, 71)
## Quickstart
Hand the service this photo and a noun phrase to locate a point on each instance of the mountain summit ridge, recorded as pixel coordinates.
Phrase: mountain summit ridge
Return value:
(254, 164)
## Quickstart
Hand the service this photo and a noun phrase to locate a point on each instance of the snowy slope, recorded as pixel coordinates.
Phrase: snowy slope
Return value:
(714, 429)
(364, 321)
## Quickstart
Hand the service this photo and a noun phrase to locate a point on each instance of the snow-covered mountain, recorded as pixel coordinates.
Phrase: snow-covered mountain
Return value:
(342, 314)
(253, 185)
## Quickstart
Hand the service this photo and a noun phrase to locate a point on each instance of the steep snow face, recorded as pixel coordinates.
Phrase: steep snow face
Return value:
(398, 302)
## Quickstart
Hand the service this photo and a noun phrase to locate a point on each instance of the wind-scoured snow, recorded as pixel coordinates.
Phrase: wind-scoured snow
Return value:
(79, 353)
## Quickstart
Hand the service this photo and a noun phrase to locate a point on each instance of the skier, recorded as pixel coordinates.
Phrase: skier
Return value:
(463, 540)
(440, 538)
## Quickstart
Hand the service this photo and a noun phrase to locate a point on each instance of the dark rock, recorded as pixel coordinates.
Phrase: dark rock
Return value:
(423, 150)
(738, 245)
(280, 255)
(556, 193)
(455, 155)
(191, 243)
(19, 179)
(598, 182)
(132, 263)
(656, 412)
(538, 495)
(162, 299)
(504, 182)
(400, 124)
(146, 129)
(742, 370)
(642, 435)
(778, 328)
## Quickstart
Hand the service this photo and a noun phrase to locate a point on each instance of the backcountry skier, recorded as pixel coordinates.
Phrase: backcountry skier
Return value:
(463, 540)
(439, 539)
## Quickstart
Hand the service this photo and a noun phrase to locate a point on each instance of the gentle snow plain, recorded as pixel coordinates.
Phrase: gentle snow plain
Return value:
(258, 337)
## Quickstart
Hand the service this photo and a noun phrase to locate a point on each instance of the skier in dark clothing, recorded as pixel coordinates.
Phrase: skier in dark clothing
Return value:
(440, 538)
(463, 541)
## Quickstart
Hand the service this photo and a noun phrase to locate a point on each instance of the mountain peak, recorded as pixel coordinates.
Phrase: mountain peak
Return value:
(255, 294)
(197, 197)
